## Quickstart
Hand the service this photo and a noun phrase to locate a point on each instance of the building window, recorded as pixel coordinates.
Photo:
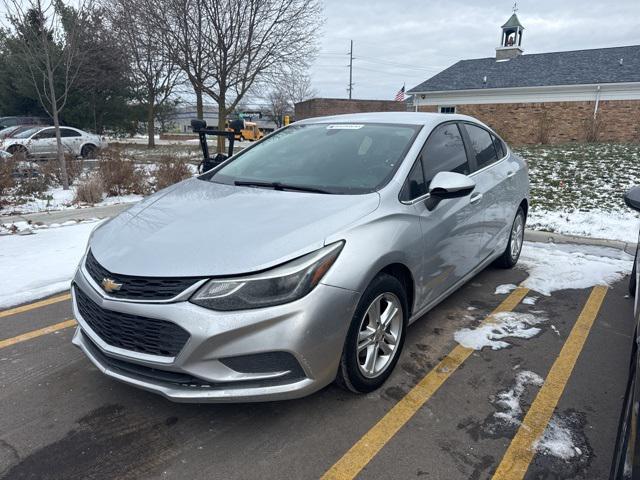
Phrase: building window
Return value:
(447, 109)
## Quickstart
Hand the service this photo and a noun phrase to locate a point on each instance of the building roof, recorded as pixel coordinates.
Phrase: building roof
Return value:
(513, 22)
(577, 67)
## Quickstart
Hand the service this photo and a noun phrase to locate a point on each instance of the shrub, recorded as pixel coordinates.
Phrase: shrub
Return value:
(120, 176)
(90, 190)
(7, 182)
(28, 185)
(51, 169)
(171, 170)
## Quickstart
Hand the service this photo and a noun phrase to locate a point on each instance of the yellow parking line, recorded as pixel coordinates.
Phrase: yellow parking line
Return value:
(360, 454)
(32, 306)
(516, 460)
(37, 333)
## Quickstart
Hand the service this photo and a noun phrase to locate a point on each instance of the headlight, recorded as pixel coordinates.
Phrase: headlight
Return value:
(283, 284)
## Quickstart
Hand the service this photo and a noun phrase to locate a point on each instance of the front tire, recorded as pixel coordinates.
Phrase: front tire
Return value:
(376, 336)
(511, 254)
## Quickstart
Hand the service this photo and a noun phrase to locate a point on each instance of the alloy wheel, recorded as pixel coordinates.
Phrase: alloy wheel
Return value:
(517, 236)
(379, 335)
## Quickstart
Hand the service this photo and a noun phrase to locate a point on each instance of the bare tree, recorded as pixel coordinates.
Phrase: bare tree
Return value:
(227, 47)
(251, 41)
(48, 48)
(183, 29)
(289, 90)
(154, 73)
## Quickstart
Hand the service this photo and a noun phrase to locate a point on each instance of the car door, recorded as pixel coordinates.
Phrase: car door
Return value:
(43, 143)
(494, 184)
(71, 140)
(452, 229)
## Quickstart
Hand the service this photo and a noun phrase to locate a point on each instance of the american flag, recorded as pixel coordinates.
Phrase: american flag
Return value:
(400, 95)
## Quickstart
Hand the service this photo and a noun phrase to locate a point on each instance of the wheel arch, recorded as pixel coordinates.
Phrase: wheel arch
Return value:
(404, 275)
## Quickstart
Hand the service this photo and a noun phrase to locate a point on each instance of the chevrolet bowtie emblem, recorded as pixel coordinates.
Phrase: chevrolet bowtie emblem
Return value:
(109, 285)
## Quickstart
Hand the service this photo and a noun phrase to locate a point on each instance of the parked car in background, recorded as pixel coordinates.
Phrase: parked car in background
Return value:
(13, 121)
(40, 142)
(301, 259)
(626, 457)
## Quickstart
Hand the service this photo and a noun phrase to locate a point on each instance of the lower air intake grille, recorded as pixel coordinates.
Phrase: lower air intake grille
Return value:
(132, 332)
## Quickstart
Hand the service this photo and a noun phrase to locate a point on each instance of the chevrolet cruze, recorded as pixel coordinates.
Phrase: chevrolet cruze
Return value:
(301, 260)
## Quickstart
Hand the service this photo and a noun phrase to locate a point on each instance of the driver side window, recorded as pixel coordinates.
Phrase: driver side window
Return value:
(444, 152)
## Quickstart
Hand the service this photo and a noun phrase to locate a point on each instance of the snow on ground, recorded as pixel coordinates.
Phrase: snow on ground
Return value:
(577, 189)
(529, 300)
(58, 199)
(557, 440)
(509, 400)
(612, 225)
(37, 265)
(504, 289)
(500, 326)
(553, 267)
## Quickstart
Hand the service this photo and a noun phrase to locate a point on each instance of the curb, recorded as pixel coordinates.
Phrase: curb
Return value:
(551, 237)
(59, 216)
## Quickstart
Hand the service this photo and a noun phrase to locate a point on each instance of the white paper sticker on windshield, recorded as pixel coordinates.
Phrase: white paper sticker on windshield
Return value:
(345, 126)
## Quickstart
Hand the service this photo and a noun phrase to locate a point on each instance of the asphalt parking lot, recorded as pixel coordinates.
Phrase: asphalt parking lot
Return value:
(447, 412)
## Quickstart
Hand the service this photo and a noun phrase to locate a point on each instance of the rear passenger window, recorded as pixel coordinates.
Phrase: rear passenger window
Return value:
(444, 152)
(500, 147)
(414, 186)
(482, 145)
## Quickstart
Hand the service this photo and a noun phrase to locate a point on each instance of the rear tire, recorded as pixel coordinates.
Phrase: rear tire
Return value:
(376, 336)
(88, 151)
(511, 254)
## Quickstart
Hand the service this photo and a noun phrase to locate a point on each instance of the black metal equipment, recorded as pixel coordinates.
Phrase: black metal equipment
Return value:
(200, 127)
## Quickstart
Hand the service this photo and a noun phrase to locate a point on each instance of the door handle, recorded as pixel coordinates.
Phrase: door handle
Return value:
(511, 174)
(475, 198)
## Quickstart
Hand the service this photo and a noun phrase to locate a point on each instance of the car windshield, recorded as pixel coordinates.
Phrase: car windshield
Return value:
(5, 132)
(345, 158)
(27, 133)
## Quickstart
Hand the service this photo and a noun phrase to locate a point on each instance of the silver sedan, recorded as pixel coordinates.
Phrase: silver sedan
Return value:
(301, 260)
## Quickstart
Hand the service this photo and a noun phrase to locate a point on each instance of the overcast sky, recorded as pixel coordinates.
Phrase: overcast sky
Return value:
(411, 40)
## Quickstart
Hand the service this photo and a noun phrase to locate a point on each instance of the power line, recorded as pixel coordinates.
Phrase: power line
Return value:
(351, 69)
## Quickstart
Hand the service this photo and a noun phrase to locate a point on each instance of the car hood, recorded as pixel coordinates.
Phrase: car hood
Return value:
(200, 228)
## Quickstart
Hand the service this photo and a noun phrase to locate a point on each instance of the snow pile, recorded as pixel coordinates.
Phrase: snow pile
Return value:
(557, 440)
(611, 225)
(499, 326)
(555, 267)
(529, 300)
(41, 264)
(504, 289)
(509, 400)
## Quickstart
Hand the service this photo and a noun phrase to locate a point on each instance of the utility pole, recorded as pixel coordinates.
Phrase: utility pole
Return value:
(350, 70)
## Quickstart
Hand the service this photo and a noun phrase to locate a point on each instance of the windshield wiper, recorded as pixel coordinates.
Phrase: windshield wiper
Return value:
(278, 186)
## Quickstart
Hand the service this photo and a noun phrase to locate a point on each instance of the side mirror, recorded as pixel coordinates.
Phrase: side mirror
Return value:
(451, 185)
(632, 198)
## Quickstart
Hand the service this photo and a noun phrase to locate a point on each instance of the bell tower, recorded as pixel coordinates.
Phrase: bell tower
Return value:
(511, 39)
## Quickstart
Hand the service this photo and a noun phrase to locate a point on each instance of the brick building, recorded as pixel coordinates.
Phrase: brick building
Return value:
(582, 95)
(320, 107)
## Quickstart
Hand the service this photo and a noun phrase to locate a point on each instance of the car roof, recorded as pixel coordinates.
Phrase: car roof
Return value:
(400, 118)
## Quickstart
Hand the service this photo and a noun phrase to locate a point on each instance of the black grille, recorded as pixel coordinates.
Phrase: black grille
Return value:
(139, 288)
(132, 332)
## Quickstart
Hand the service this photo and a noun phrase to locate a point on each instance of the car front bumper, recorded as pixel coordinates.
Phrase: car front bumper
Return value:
(310, 330)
